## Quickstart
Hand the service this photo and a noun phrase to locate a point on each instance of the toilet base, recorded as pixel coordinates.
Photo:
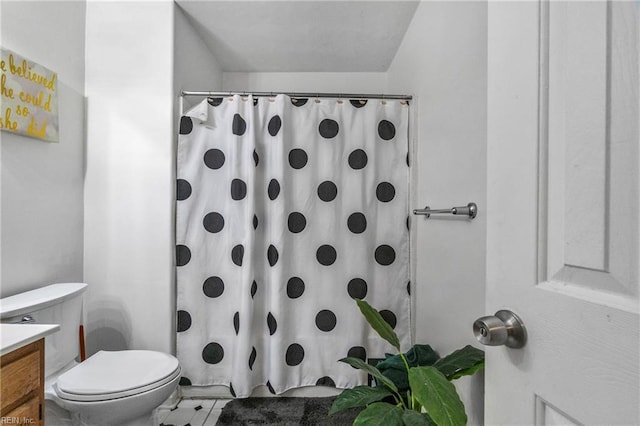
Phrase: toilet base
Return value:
(144, 420)
(55, 415)
(134, 410)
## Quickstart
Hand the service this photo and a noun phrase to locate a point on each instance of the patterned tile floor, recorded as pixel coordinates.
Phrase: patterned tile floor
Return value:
(192, 412)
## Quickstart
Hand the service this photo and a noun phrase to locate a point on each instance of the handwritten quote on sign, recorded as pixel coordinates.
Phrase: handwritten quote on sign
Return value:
(29, 101)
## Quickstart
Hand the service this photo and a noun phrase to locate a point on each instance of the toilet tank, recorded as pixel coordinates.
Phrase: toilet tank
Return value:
(54, 304)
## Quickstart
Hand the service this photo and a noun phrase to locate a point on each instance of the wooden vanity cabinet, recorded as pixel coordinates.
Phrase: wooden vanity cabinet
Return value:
(22, 385)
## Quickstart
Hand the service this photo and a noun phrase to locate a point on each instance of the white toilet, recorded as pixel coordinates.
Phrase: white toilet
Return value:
(108, 388)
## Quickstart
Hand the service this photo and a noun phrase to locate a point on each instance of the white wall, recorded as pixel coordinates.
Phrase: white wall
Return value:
(42, 183)
(328, 82)
(128, 252)
(130, 179)
(195, 67)
(442, 61)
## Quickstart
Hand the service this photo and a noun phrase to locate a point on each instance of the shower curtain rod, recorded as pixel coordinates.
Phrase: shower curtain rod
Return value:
(300, 95)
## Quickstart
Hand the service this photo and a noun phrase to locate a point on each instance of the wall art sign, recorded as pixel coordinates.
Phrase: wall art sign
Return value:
(29, 98)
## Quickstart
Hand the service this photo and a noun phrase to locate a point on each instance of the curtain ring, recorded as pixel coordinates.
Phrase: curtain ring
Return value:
(340, 101)
(383, 101)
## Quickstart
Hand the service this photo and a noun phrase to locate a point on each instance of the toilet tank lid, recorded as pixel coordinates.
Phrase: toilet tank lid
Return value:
(40, 298)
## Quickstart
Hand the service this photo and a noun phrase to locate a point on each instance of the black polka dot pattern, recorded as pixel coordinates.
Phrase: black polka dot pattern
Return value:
(186, 125)
(299, 101)
(327, 191)
(385, 192)
(357, 223)
(389, 317)
(296, 222)
(358, 159)
(357, 352)
(183, 190)
(254, 288)
(237, 254)
(214, 158)
(238, 189)
(239, 126)
(326, 381)
(236, 322)
(326, 255)
(272, 255)
(328, 128)
(274, 125)
(298, 158)
(272, 324)
(273, 190)
(213, 222)
(295, 287)
(357, 288)
(183, 255)
(286, 213)
(386, 130)
(184, 321)
(213, 287)
(294, 355)
(326, 320)
(385, 255)
(213, 353)
(252, 357)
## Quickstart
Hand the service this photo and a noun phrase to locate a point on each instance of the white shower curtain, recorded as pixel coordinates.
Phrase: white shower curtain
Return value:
(287, 210)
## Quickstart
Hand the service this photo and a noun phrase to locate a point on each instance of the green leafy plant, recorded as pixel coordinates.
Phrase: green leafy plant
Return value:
(429, 399)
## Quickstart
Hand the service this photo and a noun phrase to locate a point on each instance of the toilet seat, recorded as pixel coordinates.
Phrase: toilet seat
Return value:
(116, 374)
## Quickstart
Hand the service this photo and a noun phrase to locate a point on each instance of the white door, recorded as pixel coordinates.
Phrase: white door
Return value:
(562, 211)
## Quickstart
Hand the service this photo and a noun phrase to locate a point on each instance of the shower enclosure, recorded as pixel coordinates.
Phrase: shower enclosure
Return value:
(288, 208)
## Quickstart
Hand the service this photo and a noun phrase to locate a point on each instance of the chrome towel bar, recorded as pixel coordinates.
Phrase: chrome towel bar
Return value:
(470, 210)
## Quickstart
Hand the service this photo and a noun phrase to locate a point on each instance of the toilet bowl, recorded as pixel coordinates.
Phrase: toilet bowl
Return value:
(120, 387)
(109, 388)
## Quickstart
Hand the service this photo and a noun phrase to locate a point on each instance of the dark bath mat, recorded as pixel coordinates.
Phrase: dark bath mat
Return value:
(284, 411)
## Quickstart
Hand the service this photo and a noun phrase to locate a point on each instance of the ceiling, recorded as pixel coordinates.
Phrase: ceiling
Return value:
(301, 35)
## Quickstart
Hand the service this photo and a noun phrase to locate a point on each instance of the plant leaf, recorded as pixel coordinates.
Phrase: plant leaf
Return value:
(358, 363)
(394, 368)
(359, 396)
(379, 414)
(438, 396)
(378, 323)
(413, 418)
(460, 360)
(468, 371)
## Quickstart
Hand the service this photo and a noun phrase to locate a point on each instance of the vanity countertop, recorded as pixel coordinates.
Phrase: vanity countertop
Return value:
(14, 336)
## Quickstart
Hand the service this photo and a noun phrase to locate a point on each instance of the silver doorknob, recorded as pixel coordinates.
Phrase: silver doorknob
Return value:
(503, 328)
